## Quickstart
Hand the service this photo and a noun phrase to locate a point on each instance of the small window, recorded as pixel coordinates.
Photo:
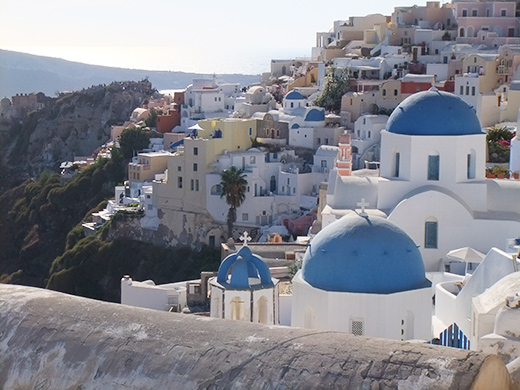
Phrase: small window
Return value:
(474, 12)
(245, 216)
(433, 167)
(396, 164)
(467, 90)
(430, 234)
(503, 12)
(472, 91)
(192, 184)
(395, 92)
(356, 327)
(195, 151)
(216, 189)
(178, 169)
(471, 164)
(150, 207)
(179, 182)
(250, 131)
(462, 90)
(464, 12)
(384, 92)
(197, 185)
(195, 167)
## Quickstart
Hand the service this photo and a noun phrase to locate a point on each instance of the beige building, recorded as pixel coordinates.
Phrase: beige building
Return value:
(485, 66)
(147, 165)
(181, 196)
(486, 85)
(355, 104)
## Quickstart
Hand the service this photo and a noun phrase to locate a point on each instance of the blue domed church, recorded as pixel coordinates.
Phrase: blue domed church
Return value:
(365, 276)
(432, 181)
(244, 289)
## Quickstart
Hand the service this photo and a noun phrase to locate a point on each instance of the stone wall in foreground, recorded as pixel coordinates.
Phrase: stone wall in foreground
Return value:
(50, 340)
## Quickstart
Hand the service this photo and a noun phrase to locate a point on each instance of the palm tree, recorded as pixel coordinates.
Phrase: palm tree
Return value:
(234, 186)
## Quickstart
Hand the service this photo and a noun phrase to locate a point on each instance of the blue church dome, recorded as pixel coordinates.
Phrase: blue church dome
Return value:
(244, 271)
(363, 255)
(315, 115)
(294, 95)
(433, 112)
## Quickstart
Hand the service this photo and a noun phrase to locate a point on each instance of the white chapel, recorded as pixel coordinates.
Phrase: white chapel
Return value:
(244, 290)
(363, 275)
(432, 180)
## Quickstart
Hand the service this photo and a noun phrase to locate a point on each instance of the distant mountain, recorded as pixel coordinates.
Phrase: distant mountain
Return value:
(25, 73)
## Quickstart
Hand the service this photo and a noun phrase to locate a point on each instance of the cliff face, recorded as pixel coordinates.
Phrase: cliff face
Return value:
(40, 135)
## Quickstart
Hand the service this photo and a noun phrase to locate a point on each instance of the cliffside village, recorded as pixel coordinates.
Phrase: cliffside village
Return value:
(386, 201)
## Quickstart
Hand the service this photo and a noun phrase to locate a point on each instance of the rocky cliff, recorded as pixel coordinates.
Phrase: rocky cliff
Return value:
(38, 135)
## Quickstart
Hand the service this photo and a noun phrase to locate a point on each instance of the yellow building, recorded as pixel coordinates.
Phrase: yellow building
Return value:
(181, 196)
(147, 166)
(485, 66)
(308, 80)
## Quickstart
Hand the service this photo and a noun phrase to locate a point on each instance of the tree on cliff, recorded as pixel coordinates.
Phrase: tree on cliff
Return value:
(337, 83)
(234, 186)
(133, 140)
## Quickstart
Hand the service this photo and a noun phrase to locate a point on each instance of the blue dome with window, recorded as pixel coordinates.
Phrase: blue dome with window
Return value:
(244, 271)
(433, 112)
(363, 255)
(294, 95)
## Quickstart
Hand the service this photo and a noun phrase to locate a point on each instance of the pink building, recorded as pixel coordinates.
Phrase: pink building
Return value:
(488, 22)
(300, 226)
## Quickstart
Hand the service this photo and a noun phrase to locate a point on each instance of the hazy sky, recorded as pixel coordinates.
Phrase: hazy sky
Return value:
(222, 36)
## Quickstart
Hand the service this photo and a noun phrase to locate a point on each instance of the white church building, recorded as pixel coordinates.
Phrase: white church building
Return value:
(365, 276)
(244, 290)
(432, 180)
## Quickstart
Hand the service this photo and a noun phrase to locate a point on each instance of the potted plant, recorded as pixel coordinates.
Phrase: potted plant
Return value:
(499, 171)
(515, 174)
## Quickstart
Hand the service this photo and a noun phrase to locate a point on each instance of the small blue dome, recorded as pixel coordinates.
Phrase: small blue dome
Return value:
(433, 112)
(248, 271)
(363, 255)
(295, 126)
(315, 115)
(294, 95)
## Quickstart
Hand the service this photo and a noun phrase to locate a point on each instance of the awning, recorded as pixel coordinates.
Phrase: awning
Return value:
(467, 254)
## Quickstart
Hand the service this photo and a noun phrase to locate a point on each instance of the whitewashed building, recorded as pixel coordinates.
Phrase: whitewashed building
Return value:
(366, 140)
(365, 276)
(164, 297)
(244, 289)
(432, 180)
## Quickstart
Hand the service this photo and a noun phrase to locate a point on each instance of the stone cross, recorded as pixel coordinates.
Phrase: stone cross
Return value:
(363, 204)
(245, 238)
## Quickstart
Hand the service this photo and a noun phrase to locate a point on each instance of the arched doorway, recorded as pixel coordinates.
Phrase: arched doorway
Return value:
(262, 310)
